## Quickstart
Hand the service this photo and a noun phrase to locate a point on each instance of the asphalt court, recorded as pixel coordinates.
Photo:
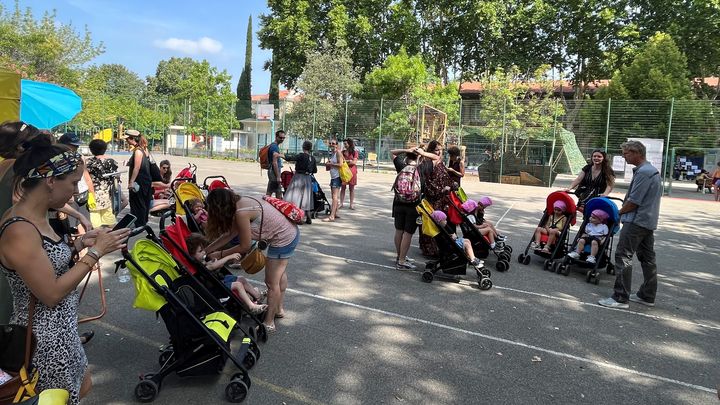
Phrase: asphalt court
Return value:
(359, 331)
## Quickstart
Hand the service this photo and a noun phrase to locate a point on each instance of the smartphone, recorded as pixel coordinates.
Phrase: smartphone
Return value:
(126, 222)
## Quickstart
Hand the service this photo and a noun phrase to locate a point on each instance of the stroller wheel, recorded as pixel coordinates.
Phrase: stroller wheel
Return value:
(588, 276)
(502, 265)
(504, 256)
(558, 267)
(508, 248)
(610, 269)
(526, 260)
(146, 390)
(483, 273)
(250, 360)
(548, 264)
(262, 333)
(236, 391)
(244, 377)
(427, 276)
(565, 269)
(485, 284)
(252, 334)
(521, 258)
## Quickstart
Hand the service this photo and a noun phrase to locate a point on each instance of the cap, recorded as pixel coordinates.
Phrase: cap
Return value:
(600, 214)
(438, 216)
(130, 133)
(70, 138)
(560, 204)
(469, 205)
(485, 201)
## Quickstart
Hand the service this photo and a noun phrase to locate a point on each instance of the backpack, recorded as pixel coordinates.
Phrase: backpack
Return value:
(407, 185)
(264, 157)
(290, 210)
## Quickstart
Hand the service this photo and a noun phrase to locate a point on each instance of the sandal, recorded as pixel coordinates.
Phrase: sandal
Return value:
(280, 315)
(86, 336)
(263, 296)
(270, 328)
(258, 309)
(328, 219)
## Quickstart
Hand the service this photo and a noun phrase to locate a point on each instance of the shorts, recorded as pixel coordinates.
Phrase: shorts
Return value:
(405, 216)
(717, 182)
(335, 183)
(588, 239)
(284, 252)
(102, 217)
(460, 242)
(229, 280)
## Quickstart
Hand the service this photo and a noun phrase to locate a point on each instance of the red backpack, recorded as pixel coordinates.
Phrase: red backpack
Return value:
(290, 210)
(264, 157)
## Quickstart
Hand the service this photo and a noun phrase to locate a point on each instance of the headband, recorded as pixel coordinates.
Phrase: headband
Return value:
(57, 165)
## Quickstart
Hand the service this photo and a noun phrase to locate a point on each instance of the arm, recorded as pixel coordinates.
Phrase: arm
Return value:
(22, 250)
(219, 263)
(396, 152)
(69, 210)
(353, 161)
(137, 161)
(89, 182)
(275, 157)
(340, 160)
(628, 207)
(577, 181)
(219, 242)
(428, 155)
(609, 187)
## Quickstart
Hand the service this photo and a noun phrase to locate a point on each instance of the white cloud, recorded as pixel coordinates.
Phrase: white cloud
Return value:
(189, 46)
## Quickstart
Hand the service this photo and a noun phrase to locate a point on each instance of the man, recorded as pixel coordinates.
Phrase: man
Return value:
(639, 215)
(275, 157)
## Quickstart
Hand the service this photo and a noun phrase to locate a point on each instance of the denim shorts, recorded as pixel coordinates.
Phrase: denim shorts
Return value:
(335, 183)
(460, 242)
(228, 280)
(284, 252)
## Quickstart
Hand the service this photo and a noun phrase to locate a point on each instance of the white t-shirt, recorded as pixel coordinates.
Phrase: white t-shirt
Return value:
(596, 229)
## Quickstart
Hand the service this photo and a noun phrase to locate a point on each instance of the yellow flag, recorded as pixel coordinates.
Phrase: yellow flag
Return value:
(105, 135)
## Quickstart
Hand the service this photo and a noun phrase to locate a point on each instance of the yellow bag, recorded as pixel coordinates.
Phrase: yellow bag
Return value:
(428, 226)
(345, 172)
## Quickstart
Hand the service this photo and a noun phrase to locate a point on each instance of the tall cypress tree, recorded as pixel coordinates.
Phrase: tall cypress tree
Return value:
(274, 88)
(243, 108)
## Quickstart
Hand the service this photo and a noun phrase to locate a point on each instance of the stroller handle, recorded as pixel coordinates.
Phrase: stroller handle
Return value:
(140, 230)
(165, 215)
(205, 182)
(179, 180)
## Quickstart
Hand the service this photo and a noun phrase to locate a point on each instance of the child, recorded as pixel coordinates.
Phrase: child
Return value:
(485, 229)
(595, 233)
(441, 219)
(197, 243)
(479, 218)
(199, 213)
(551, 228)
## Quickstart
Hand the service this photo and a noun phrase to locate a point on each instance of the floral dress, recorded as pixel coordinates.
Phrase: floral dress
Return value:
(103, 185)
(436, 179)
(59, 355)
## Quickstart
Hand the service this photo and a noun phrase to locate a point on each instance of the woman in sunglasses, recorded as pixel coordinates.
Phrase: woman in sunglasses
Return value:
(595, 179)
(333, 165)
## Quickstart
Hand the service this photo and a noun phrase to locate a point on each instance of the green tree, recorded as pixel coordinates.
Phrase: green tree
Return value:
(44, 49)
(113, 79)
(328, 82)
(243, 108)
(398, 77)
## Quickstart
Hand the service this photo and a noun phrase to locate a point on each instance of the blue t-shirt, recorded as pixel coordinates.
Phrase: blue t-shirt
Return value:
(274, 148)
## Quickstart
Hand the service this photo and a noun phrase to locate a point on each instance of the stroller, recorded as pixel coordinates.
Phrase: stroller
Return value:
(173, 239)
(320, 200)
(481, 244)
(561, 245)
(453, 260)
(604, 249)
(199, 328)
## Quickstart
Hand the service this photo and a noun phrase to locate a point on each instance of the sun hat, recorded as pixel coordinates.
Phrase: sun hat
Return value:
(600, 214)
(560, 204)
(438, 216)
(70, 138)
(130, 133)
(469, 206)
(485, 201)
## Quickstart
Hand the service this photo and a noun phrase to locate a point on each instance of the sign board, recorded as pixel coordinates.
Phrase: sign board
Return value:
(653, 154)
(265, 112)
(618, 164)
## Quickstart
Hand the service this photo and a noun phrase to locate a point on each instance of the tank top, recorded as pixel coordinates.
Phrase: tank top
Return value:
(334, 171)
(277, 230)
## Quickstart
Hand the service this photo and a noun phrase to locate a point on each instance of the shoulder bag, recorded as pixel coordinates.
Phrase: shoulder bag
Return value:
(254, 261)
(17, 344)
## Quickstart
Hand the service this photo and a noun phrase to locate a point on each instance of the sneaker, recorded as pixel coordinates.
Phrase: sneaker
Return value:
(409, 259)
(492, 245)
(590, 259)
(611, 303)
(574, 255)
(501, 238)
(477, 263)
(405, 266)
(635, 298)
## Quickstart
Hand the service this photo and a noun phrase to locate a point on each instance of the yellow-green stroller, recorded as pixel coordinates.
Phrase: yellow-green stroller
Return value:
(199, 328)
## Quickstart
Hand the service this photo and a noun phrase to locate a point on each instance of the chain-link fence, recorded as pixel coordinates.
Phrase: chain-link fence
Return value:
(517, 141)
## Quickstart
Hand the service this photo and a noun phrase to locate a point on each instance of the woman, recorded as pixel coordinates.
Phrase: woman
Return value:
(140, 181)
(248, 219)
(300, 190)
(333, 165)
(351, 157)
(36, 262)
(716, 182)
(161, 189)
(99, 166)
(436, 184)
(595, 179)
(404, 214)
(456, 165)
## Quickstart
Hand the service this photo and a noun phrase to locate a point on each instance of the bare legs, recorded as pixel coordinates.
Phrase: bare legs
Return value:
(276, 282)
(402, 244)
(333, 205)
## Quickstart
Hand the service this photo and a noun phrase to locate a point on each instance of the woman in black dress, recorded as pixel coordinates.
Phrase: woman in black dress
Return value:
(595, 179)
(140, 182)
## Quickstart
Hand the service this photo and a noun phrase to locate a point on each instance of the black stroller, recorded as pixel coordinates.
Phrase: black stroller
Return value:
(453, 260)
(481, 245)
(199, 328)
(604, 253)
(319, 199)
(560, 248)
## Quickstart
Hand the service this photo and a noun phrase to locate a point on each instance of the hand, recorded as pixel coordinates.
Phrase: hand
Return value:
(85, 223)
(109, 241)
(213, 255)
(89, 238)
(234, 257)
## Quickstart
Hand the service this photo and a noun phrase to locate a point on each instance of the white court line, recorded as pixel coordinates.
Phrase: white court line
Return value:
(601, 364)
(503, 215)
(536, 294)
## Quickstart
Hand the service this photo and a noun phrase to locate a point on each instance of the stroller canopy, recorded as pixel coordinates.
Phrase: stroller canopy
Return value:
(174, 238)
(186, 192)
(564, 197)
(607, 205)
(155, 264)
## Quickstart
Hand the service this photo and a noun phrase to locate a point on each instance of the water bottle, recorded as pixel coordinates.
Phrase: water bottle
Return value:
(124, 275)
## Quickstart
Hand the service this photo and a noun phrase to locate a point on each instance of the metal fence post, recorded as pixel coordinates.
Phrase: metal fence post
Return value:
(377, 149)
(667, 143)
(459, 142)
(347, 101)
(552, 151)
(502, 141)
(607, 125)
(314, 120)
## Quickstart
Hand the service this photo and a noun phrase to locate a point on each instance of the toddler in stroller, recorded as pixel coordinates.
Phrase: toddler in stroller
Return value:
(455, 253)
(592, 247)
(551, 235)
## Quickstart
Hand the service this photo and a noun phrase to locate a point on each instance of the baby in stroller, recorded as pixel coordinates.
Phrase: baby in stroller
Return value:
(441, 219)
(478, 219)
(551, 228)
(595, 233)
(199, 213)
(249, 295)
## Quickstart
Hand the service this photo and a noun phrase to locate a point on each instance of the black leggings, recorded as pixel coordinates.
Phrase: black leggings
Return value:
(140, 205)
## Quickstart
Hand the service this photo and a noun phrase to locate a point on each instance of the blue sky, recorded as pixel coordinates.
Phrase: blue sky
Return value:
(139, 34)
